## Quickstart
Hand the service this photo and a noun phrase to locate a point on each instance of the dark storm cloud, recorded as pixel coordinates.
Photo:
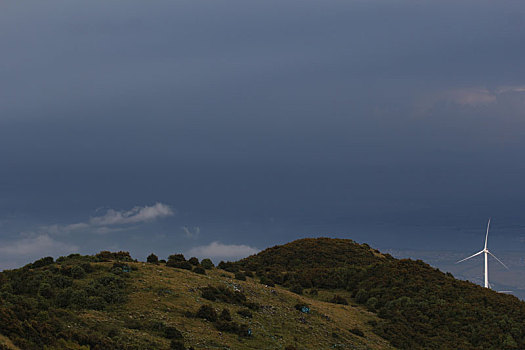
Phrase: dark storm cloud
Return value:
(392, 121)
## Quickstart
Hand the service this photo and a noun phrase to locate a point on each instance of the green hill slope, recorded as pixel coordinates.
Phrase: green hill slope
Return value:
(419, 307)
(308, 294)
(111, 302)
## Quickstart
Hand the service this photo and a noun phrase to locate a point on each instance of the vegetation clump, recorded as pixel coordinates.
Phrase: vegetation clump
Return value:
(171, 332)
(223, 294)
(240, 276)
(178, 261)
(194, 261)
(337, 299)
(199, 269)
(207, 312)
(152, 259)
(109, 256)
(207, 264)
(245, 313)
(357, 332)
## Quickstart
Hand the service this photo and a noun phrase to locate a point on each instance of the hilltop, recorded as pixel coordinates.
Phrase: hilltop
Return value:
(308, 294)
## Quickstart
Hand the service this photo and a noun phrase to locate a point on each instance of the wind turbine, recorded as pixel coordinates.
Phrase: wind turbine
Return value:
(486, 252)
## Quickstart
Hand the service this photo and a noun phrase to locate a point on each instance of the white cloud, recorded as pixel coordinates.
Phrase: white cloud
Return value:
(191, 232)
(222, 251)
(22, 251)
(135, 215)
(106, 223)
(471, 96)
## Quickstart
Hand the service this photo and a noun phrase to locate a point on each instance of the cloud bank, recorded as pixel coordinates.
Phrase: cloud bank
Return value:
(112, 219)
(477, 96)
(133, 216)
(217, 250)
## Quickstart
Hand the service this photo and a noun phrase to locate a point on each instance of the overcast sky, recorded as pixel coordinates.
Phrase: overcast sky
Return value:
(217, 128)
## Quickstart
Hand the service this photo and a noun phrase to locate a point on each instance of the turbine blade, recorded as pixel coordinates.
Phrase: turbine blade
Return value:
(478, 253)
(494, 256)
(487, 236)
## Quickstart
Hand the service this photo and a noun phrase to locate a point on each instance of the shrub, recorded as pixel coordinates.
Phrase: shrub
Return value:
(301, 307)
(207, 264)
(178, 261)
(194, 261)
(171, 332)
(79, 299)
(46, 291)
(184, 265)
(245, 313)
(223, 294)
(225, 315)
(265, 280)
(42, 262)
(133, 324)
(62, 281)
(248, 274)
(337, 299)
(88, 268)
(361, 296)
(297, 289)
(63, 298)
(228, 266)
(108, 256)
(177, 345)
(77, 272)
(152, 259)
(233, 327)
(240, 276)
(96, 303)
(199, 270)
(175, 258)
(207, 312)
(357, 332)
(371, 303)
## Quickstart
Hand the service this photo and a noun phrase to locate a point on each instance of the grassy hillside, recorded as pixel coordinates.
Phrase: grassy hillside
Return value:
(419, 307)
(85, 302)
(308, 294)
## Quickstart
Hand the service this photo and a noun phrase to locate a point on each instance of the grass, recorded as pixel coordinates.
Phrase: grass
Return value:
(167, 295)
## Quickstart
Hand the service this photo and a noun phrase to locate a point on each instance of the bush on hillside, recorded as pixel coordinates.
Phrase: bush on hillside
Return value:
(199, 270)
(207, 264)
(152, 259)
(240, 276)
(337, 299)
(225, 315)
(207, 312)
(171, 332)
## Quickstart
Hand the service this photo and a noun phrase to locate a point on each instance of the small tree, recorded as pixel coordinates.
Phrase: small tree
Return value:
(177, 345)
(171, 332)
(175, 259)
(152, 259)
(194, 261)
(207, 264)
(207, 312)
(240, 276)
(77, 272)
(225, 315)
(199, 270)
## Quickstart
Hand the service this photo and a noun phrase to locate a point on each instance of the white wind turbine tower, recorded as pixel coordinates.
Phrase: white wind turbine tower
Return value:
(487, 252)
